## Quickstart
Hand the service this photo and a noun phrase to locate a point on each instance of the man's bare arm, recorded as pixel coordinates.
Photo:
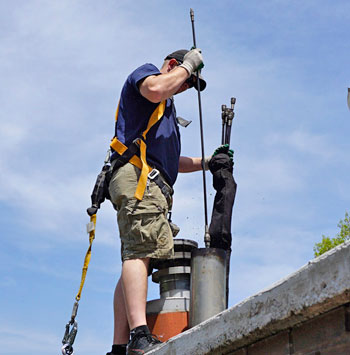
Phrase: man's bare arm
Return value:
(189, 165)
(157, 88)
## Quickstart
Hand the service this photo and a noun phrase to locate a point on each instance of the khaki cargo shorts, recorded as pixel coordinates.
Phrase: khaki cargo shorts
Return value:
(143, 225)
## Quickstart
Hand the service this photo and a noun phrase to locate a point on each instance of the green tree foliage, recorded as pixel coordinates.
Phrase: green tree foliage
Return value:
(329, 243)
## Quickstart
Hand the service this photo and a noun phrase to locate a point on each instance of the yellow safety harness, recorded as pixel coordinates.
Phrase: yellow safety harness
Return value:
(141, 161)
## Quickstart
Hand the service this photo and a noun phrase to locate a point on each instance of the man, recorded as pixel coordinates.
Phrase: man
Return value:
(141, 189)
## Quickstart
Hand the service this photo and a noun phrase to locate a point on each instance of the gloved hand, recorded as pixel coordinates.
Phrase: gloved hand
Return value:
(193, 61)
(224, 149)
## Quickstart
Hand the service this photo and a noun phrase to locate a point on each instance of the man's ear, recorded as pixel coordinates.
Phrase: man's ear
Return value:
(172, 64)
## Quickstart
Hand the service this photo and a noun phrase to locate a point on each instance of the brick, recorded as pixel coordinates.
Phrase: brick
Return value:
(273, 345)
(325, 333)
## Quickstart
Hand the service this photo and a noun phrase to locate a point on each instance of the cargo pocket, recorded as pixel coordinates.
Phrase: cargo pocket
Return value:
(144, 230)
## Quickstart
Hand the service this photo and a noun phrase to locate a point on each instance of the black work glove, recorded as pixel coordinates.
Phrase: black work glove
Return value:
(225, 149)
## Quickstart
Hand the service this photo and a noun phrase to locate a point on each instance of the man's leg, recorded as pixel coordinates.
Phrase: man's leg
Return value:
(134, 278)
(121, 326)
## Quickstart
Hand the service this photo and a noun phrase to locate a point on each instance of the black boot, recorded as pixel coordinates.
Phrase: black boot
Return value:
(141, 341)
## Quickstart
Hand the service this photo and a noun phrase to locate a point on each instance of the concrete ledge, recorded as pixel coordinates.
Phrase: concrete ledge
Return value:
(321, 285)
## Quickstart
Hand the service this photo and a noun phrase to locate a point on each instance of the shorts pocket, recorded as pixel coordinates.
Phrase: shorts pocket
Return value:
(144, 230)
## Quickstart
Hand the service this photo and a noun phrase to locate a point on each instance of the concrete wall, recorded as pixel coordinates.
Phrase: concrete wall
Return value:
(305, 313)
(327, 334)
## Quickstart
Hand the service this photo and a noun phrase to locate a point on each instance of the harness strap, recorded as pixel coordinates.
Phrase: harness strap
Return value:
(91, 230)
(166, 190)
(121, 160)
(141, 162)
(145, 169)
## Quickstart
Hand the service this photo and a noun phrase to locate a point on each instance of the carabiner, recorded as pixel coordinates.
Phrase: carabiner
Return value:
(69, 337)
(67, 350)
(107, 160)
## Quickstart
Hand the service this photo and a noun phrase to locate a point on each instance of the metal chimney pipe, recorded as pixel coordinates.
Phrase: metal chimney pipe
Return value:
(208, 284)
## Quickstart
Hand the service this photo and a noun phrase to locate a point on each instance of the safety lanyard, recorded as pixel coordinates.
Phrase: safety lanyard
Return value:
(91, 230)
(72, 325)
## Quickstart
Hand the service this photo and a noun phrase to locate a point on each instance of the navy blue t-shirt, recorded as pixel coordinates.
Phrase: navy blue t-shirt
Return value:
(163, 139)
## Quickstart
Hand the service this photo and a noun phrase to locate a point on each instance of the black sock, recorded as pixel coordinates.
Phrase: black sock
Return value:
(119, 349)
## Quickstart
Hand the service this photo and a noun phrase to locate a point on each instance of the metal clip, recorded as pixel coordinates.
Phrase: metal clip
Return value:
(74, 310)
(153, 174)
(137, 140)
(182, 122)
(70, 333)
(69, 337)
(108, 157)
(147, 187)
(67, 350)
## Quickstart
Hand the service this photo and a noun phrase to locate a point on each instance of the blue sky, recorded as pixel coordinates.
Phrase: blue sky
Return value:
(62, 66)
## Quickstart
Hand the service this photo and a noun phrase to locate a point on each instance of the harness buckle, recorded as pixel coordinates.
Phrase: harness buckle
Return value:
(137, 140)
(153, 174)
